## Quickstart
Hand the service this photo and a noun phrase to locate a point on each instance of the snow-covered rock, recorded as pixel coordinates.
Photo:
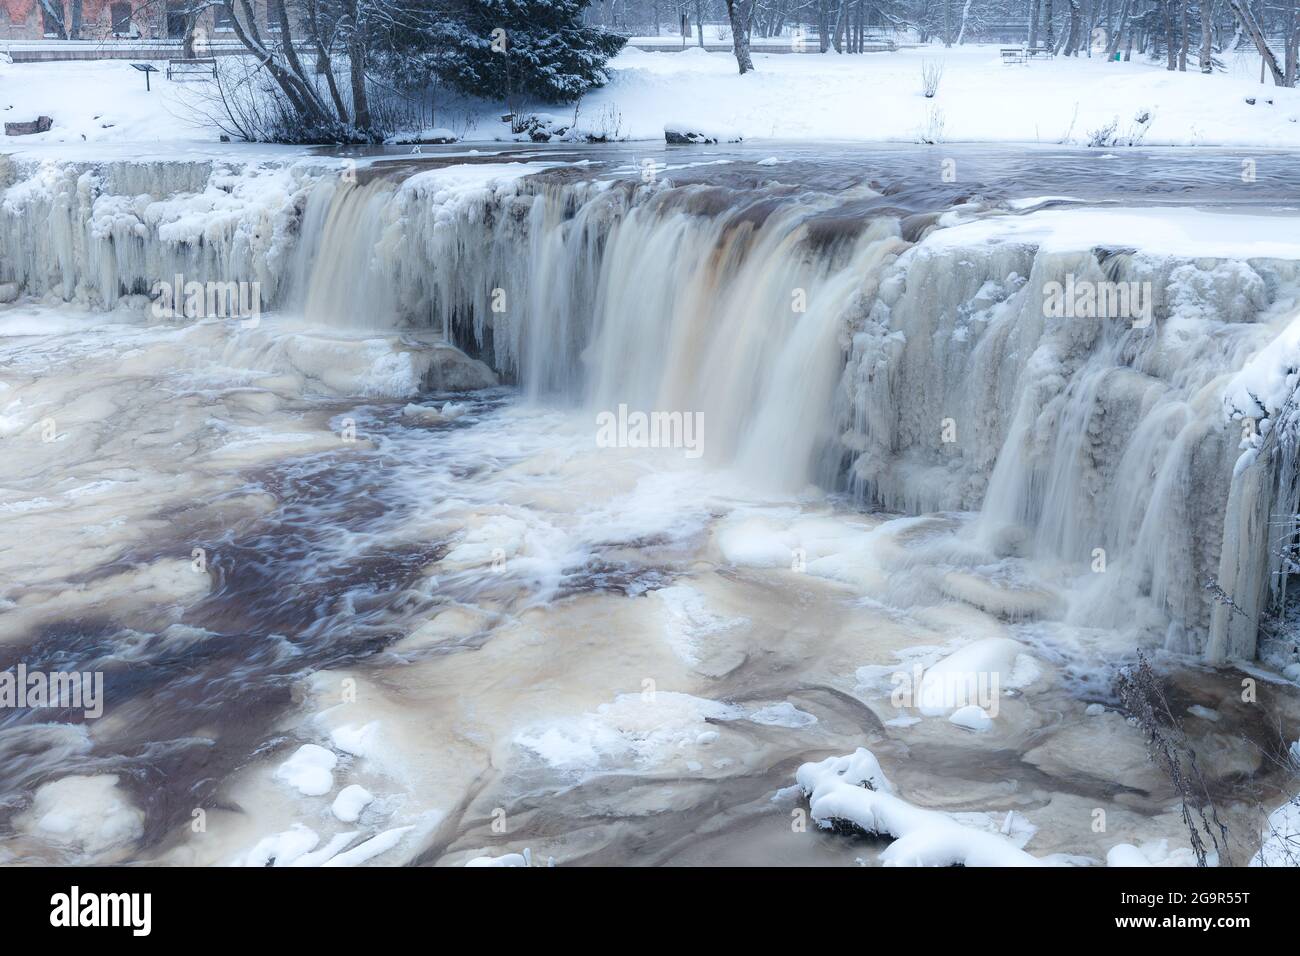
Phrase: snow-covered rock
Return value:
(972, 717)
(853, 790)
(350, 802)
(88, 813)
(310, 770)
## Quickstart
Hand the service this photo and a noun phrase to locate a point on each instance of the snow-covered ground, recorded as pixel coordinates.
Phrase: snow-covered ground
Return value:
(872, 97)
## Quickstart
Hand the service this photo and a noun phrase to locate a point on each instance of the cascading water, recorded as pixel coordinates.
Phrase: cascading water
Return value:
(1083, 441)
(1075, 438)
(853, 353)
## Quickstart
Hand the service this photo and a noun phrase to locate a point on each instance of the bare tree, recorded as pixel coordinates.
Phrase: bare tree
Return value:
(1112, 47)
(965, 17)
(356, 21)
(323, 43)
(1247, 21)
(1207, 27)
(1171, 40)
(740, 12)
(1292, 39)
(1072, 43)
(54, 13)
(837, 34)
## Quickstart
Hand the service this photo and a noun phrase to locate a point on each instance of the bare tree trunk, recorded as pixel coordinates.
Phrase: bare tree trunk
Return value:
(823, 25)
(965, 16)
(1072, 44)
(947, 22)
(699, 21)
(740, 12)
(837, 33)
(1207, 46)
(1183, 36)
(1049, 35)
(357, 65)
(300, 95)
(1292, 38)
(1247, 21)
(324, 62)
(1112, 47)
(286, 39)
(56, 14)
(1170, 35)
(1033, 23)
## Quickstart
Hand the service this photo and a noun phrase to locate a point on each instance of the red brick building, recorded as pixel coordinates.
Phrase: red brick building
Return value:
(116, 20)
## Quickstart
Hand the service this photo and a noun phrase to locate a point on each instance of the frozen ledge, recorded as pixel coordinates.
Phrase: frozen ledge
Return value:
(1182, 232)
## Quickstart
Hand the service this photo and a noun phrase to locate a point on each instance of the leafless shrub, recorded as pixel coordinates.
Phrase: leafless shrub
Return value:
(1143, 696)
(932, 132)
(931, 75)
(608, 127)
(1220, 596)
(1104, 135)
(244, 102)
(1111, 135)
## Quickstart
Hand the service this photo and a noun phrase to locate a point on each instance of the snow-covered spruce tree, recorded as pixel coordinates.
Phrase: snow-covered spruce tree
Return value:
(512, 49)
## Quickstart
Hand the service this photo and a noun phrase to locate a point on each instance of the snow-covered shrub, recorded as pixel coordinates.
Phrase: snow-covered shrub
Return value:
(931, 75)
(1110, 134)
(1104, 135)
(608, 126)
(932, 132)
(244, 103)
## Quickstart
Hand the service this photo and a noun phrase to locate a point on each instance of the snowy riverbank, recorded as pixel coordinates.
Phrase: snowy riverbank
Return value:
(872, 97)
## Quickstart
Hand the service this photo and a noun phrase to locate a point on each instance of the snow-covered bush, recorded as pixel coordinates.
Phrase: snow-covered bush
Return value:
(931, 75)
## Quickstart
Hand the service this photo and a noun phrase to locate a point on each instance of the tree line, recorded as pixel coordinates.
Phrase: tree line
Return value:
(1183, 32)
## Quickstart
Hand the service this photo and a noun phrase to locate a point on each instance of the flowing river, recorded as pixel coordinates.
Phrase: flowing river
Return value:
(570, 500)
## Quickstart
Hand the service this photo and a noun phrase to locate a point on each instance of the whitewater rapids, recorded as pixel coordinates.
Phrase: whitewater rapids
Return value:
(360, 595)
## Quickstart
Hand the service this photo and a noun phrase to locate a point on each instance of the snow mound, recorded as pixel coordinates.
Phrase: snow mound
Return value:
(972, 717)
(645, 729)
(449, 412)
(784, 714)
(976, 674)
(1149, 854)
(853, 790)
(281, 849)
(310, 770)
(350, 802)
(506, 859)
(371, 848)
(88, 813)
